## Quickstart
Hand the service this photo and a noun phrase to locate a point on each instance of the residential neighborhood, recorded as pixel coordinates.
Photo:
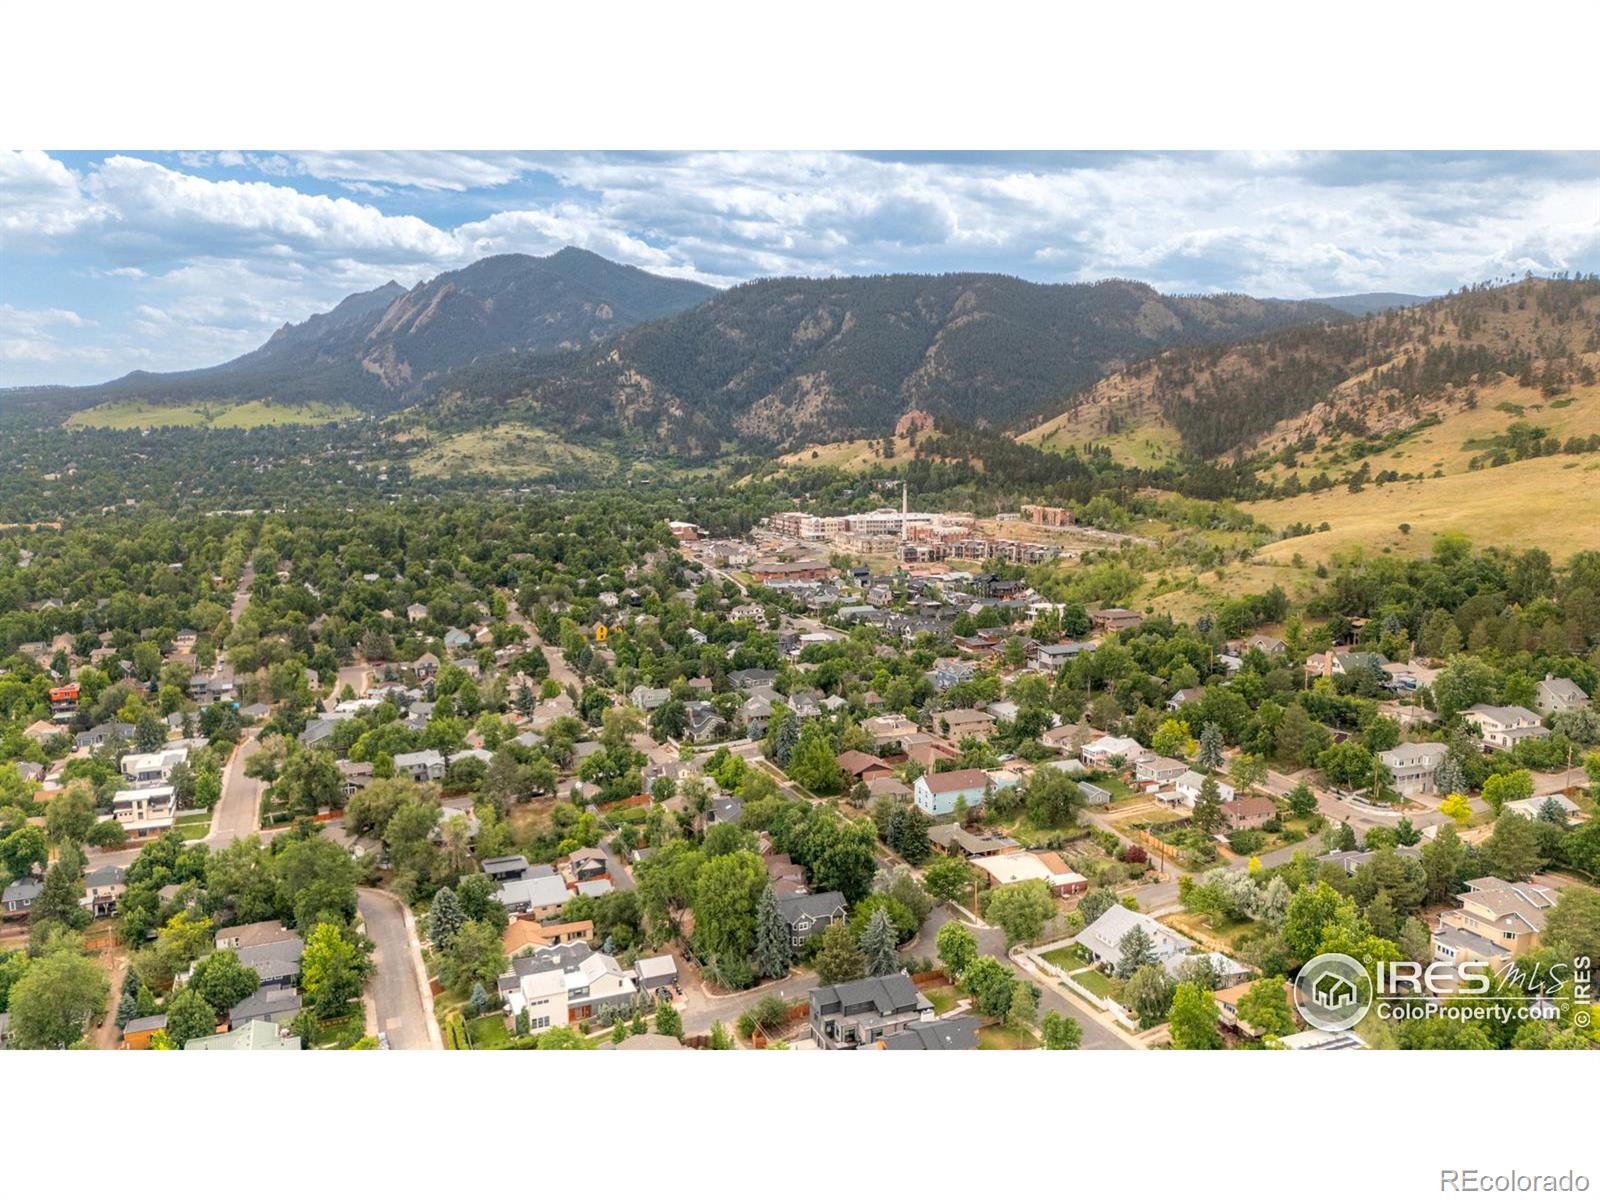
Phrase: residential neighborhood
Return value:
(898, 806)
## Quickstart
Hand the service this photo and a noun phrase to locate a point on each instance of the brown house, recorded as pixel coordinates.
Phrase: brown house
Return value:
(862, 767)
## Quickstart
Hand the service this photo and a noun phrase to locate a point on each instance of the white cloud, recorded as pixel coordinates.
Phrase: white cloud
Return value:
(217, 264)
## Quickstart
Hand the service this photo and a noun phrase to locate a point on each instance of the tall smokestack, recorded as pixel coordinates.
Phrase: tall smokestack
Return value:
(902, 501)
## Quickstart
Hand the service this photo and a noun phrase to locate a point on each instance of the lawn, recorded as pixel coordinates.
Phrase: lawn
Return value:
(489, 1032)
(1067, 958)
(943, 999)
(998, 1037)
(1101, 985)
(194, 826)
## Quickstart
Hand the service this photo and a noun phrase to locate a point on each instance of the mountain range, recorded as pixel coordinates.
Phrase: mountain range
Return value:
(782, 362)
(590, 348)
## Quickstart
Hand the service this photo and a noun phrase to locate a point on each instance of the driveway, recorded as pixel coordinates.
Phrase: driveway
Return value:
(397, 989)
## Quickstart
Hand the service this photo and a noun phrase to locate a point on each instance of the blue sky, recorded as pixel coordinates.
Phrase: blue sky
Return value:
(111, 262)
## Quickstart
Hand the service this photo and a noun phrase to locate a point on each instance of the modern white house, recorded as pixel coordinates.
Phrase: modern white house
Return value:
(142, 770)
(146, 811)
(421, 766)
(563, 985)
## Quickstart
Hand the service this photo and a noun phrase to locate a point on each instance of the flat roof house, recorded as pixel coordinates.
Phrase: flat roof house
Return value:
(969, 843)
(937, 795)
(254, 1035)
(862, 1012)
(1023, 865)
(142, 770)
(143, 812)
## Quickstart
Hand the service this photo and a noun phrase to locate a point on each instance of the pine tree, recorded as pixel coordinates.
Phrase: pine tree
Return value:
(784, 738)
(840, 958)
(1449, 778)
(1210, 756)
(58, 897)
(1208, 816)
(773, 954)
(446, 916)
(878, 944)
(479, 1000)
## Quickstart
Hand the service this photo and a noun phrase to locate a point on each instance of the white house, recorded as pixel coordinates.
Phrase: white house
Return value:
(142, 770)
(563, 985)
(1188, 786)
(1103, 750)
(145, 811)
(1504, 727)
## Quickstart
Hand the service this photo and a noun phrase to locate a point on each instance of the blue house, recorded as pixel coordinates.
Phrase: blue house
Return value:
(937, 795)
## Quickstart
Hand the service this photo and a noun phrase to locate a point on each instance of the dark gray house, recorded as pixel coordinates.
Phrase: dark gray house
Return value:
(848, 1016)
(952, 1033)
(807, 916)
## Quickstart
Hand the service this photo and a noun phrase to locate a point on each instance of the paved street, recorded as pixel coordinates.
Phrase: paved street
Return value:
(238, 812)
(395, 989)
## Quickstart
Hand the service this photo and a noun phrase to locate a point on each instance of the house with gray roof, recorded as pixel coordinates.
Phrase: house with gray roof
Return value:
(1554, 694)
(863, 1012)
(952, 1033)
(806, 915)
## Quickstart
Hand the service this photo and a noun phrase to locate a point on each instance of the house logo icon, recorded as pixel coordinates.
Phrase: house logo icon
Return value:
(1332, 992)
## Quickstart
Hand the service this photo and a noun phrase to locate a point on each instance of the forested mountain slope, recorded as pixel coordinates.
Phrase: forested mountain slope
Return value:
(786, 362)
(1381, 373)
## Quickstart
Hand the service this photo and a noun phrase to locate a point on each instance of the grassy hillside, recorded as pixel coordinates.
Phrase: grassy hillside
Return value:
(253, 414)
(508, 451)
(1374, 376)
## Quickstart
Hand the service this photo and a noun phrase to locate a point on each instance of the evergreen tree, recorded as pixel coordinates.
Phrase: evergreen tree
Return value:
(878, 944)
(1208, 816)
(773, 953)
(1449, 778)
(784, 738)
(57, 901)
(446, 916)
(1209, 757)
(840, 958)
(479, 1000)
(1136, 950)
